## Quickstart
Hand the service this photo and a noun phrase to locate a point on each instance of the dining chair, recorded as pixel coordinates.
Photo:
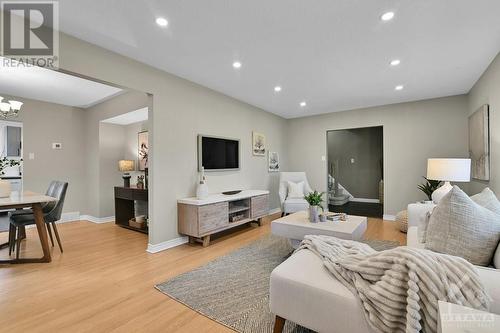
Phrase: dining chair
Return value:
(52, 212)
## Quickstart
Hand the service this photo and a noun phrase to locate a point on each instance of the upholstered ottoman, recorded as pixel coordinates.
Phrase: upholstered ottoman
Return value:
(303, 291)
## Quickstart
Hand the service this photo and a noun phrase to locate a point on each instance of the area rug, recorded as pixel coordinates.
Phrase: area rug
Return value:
(233, 290)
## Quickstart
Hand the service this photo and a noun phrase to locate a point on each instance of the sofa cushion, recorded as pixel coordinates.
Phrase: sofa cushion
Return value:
(303, 291)
(458, 226)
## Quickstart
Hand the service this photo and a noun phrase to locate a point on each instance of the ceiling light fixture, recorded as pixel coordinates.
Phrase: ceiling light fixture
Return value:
(387, 16)
(237, 64)
(303, 104)
(9, 109)
(277, 88)
(162, 22)
(395, 62)
(400, 87)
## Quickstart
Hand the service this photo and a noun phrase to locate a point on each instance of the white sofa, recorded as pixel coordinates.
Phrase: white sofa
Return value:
(303, 291)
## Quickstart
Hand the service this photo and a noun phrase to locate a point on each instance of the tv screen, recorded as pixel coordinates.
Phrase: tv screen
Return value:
(218, 153)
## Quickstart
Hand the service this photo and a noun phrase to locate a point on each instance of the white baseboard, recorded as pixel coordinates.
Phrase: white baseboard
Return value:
(94, 219)
(389, 217)
(365, 200)
(274, 211)
(69, 217)
(154, 248)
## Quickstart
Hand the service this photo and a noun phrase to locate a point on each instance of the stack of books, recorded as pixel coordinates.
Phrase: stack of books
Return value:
(337, 217)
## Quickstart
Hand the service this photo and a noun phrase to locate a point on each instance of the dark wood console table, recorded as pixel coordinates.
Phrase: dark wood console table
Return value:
(124, 205)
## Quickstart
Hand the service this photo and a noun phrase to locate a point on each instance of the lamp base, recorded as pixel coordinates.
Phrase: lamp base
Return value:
(126, 180)
(438, 194)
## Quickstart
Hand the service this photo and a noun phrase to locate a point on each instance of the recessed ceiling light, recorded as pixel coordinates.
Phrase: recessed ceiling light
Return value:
(395, 62)
(277, 88)
(387, 16)
(303, 104)
(162, 22)
(237, 64)
(400, 87)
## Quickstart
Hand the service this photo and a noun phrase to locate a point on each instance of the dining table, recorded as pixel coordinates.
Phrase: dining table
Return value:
(28, 199)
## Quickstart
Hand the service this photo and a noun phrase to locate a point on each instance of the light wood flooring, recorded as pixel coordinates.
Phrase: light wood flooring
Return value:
(104, 280)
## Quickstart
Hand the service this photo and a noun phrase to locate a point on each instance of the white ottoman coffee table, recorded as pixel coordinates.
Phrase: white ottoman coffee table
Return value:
(295, 226)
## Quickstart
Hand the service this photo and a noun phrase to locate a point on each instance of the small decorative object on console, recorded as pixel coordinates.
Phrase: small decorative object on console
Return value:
(231, 192)
(315, 199)
(202, 189)
(140, 182)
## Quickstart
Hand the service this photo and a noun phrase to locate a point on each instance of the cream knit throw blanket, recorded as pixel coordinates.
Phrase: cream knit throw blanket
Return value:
(399, 288)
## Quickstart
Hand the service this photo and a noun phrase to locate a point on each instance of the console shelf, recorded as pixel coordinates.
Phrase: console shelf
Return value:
(199, 219)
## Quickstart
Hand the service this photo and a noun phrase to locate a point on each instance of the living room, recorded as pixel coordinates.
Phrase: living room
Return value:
(210, 70)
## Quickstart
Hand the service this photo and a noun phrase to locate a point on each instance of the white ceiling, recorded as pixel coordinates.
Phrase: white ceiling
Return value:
(334, 54)
(128, 118)
(51, 86)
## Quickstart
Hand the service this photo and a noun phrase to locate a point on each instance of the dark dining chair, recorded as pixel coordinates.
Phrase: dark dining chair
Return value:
(52, 212)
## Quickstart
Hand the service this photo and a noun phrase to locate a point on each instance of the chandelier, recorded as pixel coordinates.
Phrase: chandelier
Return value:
(9, 109)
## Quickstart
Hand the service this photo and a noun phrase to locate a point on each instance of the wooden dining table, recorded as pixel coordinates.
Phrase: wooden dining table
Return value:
(20, 200)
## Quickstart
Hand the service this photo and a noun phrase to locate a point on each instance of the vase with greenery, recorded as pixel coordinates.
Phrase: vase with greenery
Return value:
(429, 187)
(5, 188)
(315, 199)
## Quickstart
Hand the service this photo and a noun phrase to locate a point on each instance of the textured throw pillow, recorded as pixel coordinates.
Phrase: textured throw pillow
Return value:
(489, 200)
(458, 226)
(295, 190)
(423, 222)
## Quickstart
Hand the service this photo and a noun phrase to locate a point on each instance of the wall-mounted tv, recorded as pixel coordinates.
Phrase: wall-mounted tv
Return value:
(218, 154)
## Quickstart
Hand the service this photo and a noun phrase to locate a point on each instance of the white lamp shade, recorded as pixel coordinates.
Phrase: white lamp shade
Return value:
(449, 169)
(16, 105)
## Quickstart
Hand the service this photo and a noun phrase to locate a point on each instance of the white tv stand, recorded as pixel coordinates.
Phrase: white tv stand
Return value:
(199, 219)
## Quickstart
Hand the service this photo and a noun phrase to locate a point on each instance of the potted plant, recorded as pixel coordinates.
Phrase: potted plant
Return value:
(429, 187)
(5, 188)
(315, 199)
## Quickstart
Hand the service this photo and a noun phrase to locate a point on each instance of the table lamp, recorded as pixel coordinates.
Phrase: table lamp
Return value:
(126, 166)
(447, 170)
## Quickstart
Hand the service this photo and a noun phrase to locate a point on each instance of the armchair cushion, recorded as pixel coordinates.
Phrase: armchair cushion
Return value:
(292, 205)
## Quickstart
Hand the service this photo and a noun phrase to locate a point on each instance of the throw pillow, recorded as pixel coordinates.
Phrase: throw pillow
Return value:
(423, 223)
(458, 226)
(488, 200)
(295, 190)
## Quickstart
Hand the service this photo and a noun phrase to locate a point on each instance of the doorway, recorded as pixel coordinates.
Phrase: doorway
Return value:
(355, 171)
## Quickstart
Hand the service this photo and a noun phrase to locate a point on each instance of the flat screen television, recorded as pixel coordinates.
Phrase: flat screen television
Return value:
(218, 154)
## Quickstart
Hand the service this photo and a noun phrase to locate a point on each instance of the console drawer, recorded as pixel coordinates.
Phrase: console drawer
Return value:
(212, 217)
(260, 206)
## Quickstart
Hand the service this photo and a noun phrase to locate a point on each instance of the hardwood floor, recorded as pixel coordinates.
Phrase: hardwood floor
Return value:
(103, 282)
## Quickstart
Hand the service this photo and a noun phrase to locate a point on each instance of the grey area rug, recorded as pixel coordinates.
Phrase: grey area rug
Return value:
(233, 290)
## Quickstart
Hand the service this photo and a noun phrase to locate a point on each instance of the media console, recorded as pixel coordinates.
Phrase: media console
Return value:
(199, 219)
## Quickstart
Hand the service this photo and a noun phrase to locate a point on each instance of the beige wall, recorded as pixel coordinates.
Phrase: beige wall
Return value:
(43, 124)
(112, 139)
(98, 175)
(181, 110)
(413, 132)
(487, 91)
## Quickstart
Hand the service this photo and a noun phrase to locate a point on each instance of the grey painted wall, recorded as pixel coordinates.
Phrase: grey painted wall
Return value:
(43, 124)
(487, 91)
(365, 146)
(99, 204)
(181, 110)
(413, 132)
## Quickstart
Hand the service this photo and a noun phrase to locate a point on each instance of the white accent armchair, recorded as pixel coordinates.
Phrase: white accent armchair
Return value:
(292, 205)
